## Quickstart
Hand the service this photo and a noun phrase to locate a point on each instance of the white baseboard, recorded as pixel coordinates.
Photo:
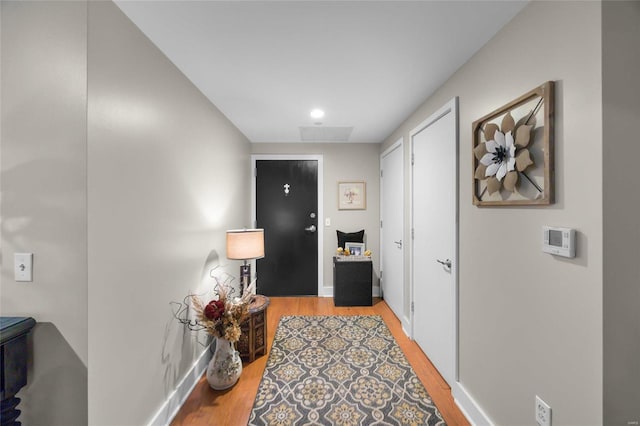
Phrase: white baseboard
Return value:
(326, 292)
(469, 407)
(406, 326)
(174, 401)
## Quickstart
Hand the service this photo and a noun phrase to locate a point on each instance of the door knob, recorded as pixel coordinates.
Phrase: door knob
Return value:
(399, 243)
(311, 228)
(446, 263)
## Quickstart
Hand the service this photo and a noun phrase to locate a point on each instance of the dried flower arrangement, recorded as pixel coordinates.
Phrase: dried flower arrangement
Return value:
(220, 315)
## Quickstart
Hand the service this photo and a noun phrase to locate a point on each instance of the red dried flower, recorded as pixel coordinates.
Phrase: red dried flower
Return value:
(214, 310)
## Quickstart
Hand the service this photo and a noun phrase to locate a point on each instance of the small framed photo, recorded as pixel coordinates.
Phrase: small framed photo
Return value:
(352, 195)
(356, 249)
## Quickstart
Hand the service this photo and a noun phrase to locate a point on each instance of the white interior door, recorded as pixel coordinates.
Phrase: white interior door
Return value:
(434, 249)
(392, 225)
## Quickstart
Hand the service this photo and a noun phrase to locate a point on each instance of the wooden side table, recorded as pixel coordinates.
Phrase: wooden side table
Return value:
(253, 340)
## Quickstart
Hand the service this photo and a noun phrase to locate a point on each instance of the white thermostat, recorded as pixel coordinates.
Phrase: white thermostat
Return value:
(559, 241)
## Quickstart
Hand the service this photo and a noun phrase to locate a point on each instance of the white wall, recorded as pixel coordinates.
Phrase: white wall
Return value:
(44, 198)
(621, 207)
(121, 178)
(166, 177)
(168, 174)
(343, 162)
(531, 323)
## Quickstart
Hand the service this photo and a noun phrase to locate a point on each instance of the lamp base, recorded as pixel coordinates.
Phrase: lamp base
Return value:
(245, 277)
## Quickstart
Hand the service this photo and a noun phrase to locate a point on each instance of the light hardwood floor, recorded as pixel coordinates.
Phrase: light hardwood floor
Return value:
(233, 407)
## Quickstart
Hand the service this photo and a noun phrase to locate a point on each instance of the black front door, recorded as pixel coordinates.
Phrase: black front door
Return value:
(287, 209)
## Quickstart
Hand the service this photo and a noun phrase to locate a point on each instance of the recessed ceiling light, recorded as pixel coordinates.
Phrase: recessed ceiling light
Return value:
(317, 113)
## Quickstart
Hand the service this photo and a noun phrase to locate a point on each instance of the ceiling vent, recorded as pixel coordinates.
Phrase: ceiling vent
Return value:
(325, 134)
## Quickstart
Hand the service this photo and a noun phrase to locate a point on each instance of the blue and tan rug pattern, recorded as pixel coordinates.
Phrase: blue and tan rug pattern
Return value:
(339, 370)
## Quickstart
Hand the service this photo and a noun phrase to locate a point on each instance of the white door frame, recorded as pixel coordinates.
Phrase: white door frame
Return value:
(449, 107)
(399, 144)
(320, 212)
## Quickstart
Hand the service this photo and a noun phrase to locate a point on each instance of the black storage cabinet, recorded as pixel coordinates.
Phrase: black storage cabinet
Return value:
(14, 352)
(352, 281)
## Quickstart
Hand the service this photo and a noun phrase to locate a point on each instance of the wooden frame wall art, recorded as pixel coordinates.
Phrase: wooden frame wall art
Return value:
(513, 152)
(352, 195)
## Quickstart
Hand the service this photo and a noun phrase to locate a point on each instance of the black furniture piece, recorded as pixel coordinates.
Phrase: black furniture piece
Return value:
(13, 360)
(352, 281)
(349, 237)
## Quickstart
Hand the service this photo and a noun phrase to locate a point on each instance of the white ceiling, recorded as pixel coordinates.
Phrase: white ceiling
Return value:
(368, 64)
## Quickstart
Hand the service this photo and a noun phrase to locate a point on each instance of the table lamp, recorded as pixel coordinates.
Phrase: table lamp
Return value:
(245, 244)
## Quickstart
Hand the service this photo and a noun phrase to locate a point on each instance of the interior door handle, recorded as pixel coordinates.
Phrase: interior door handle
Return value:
(311, 228)
(399, 243)
(446, 263)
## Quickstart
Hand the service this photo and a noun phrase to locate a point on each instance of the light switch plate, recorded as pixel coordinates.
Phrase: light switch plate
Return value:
(23, 266)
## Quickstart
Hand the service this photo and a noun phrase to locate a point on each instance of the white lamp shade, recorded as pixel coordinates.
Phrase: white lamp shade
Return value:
(245, 244)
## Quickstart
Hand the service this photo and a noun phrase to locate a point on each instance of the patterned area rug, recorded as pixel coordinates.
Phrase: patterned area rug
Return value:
(339, 370)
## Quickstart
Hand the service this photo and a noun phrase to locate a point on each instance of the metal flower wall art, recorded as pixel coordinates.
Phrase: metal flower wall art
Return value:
(512, 160)
(502, 156)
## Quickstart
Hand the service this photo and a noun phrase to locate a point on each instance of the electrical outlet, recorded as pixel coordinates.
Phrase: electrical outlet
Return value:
(543, 412)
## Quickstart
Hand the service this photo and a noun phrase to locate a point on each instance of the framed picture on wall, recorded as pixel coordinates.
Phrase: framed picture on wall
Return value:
(352, 195)
(513, 152)
(356, 249)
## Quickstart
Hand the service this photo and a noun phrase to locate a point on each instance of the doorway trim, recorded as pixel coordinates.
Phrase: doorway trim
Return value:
(450, 107)
(469, 407)
(319, 159)
(399, 144)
